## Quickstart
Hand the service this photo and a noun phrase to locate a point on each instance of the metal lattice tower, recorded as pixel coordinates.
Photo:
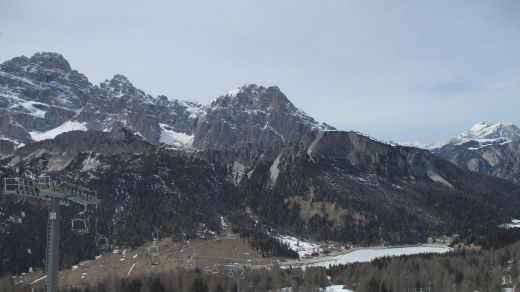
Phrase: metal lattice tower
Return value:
(238, 274)
(57, 193)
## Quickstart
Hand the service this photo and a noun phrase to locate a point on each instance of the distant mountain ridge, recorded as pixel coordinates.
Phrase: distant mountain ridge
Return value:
(492, 149)
(487, 134)
(420, 145)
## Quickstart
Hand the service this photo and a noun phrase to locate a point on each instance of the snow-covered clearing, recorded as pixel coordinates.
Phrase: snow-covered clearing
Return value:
(301, 247)
(337, 288)
(332, 288)
(515, 223)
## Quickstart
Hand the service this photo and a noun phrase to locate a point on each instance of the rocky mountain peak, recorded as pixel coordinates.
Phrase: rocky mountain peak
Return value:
(253, 97)
(15, 65)
(40, 98)
(31, 67)
(487, 148)
(485, 133)
(51, 61)
(119, 85)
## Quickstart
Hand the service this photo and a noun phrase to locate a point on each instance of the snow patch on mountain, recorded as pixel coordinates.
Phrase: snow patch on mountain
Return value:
(232, 92)
(17, 143)
(65, 127)
(195, 109)
(437, 178)
(91, 163)
(23, 105)
(237, 172)
(274, 171)
(171, 137)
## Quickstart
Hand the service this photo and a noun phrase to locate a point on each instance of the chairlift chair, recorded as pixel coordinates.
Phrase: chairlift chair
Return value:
(154, 250)
(215, 269)
(155, 261)
(102, 242)
(79, 224)
(190, 265)
(155, 234)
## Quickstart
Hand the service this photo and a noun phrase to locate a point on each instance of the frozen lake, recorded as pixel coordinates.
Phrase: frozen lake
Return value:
(369, 254)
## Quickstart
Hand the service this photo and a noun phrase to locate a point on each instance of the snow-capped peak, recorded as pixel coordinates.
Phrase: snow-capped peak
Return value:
(232, 92)
(253, 89)
(486, 134)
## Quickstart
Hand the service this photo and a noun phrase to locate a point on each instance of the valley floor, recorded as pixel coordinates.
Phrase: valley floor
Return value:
(210, 256)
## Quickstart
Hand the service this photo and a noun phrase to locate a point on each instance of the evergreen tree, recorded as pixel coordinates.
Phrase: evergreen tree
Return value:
(199, 285)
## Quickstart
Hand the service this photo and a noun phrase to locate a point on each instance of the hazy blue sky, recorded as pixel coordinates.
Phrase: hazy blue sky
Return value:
(396, 70)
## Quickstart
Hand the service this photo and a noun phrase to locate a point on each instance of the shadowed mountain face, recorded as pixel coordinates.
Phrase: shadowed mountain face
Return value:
(491, 149)
(250, 155)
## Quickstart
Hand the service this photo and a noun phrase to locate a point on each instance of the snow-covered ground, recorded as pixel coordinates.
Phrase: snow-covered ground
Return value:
(332, 288)
(336, 288)
(515, 223)
(369, 254)
(65, 127)
(301, 247)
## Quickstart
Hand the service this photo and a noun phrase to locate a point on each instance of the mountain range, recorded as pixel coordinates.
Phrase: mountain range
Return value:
(491, 149)
(250, 155)
(487, 148)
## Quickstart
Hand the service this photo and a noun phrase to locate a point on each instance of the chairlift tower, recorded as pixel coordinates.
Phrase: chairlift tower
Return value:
(57, 193)
(238, 273)
(153, 250)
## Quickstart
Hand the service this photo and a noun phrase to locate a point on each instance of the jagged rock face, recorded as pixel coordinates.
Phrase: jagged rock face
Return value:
(491, 149)
(6, 147)
(257, 115)
(39, 93)
(42, 96)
